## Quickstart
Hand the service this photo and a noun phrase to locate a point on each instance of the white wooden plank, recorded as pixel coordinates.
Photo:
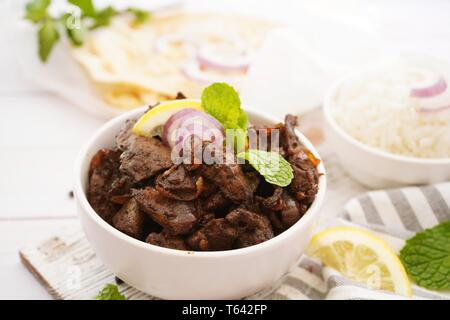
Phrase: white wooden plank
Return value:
(68, 268)
(17, 282)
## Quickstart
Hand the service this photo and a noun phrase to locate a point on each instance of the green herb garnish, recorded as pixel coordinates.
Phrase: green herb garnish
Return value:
(48, 35)
(426, 257)
(140, 16)
(222, 102)
(271, 165)
(76, 27)
(36, 10)
(110, 292)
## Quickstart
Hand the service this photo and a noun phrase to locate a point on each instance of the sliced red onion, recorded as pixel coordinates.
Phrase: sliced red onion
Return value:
(210, 57)
(192, 71)
(433, 110)
(426, 92)
(191, 122)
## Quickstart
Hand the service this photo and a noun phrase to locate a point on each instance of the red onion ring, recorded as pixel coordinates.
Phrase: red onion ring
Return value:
(433, 110)
(437, 88)
(209, 60)
(190, 122)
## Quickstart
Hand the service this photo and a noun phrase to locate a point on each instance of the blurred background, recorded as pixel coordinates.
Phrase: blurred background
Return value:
(44, 120)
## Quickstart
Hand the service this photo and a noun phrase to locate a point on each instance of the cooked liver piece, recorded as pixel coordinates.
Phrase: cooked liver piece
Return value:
(145, 157)
(252, 228)
(215, 235)
(231, 181)
(177, 183)
(205, 188)
(125, 137)
(176, 217)
(292, 211)
(305, 183)
(104, 169)
(130, 220)
(167, 241)
(216, 201)
(274, 202)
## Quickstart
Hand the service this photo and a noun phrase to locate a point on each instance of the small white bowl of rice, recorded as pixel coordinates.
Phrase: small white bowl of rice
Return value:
(390, 125)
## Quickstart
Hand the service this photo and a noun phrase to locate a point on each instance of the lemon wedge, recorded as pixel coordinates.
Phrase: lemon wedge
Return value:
(153, 120)
(362, 257)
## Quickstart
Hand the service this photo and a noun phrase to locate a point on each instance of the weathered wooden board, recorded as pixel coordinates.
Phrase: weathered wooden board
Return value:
(68, 268)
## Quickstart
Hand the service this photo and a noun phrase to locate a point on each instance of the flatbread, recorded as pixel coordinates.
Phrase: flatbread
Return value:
(130, 69)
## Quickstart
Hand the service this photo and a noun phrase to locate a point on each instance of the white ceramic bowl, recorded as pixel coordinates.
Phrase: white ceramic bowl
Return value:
(376, 168)
(175, 274)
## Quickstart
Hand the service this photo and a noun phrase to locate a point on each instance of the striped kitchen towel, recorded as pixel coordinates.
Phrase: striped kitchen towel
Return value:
(394, 215)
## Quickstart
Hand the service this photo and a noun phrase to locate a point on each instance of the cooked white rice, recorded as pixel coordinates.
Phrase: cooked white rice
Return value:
(376, 108)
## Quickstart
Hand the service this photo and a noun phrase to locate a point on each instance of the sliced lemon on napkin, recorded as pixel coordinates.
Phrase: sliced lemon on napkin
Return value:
(362, 257)
(153, 120)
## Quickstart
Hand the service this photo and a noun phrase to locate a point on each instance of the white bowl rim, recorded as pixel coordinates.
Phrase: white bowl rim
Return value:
(81, 198)
(327, 106)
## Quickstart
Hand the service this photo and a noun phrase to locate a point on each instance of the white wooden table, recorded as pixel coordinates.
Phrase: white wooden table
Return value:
(40, 133)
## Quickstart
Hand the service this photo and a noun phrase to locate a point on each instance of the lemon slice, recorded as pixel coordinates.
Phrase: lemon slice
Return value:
(362, 257)
(152, 121)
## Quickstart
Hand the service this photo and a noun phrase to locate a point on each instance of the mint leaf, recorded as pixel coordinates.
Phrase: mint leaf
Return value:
(75, 28)
(426, 257)
(271, 165)
(104, 16)
(86, 6)
(47, 37)
(222, 102)
(36, 10)
(110, 292)
(140, 16)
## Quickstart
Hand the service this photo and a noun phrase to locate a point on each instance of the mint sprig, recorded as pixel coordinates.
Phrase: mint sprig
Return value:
(110, 292)
(140, 16)
(222, 102)
(47, 36)
(426, 257)
(86, 7)
(271, 165)
(76, 27)
(36, 10)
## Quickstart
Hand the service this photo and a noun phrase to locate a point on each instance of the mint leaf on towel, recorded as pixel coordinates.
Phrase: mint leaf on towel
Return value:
(110, 292)
(271, 165)
(426, 257)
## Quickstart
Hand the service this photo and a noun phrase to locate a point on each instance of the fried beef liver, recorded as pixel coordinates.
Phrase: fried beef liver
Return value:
(231, 181)
(176, 217)
(104, 169)
(177, 183)
(205, 188)
(273, 202)
(130, 220)
(144, 157)
(282, 208)
(305, 183)
(125, 136)
(252, 228)
(167, 241)
(215, 235)
(216, 201)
